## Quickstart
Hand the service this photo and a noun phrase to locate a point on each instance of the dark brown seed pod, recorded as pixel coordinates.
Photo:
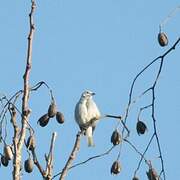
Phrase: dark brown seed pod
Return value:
(31, 143)
(162, 39)
(141, 127)
(135, 178)
(4, 161)
(115, 168)
(28, 165)
(116, 138)
(8, 152)
(43, 120)
(52, 109)
(152, 174)
(60, 117)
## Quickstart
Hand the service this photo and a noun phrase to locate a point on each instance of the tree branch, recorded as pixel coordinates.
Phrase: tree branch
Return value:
(49, 165)
(25, 108)
(87, 160)
(72, 156)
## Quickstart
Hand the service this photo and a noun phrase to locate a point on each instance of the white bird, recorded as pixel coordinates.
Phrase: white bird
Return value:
(87, 114)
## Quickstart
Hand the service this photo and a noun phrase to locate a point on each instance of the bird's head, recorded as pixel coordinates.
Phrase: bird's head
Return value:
(87, 94)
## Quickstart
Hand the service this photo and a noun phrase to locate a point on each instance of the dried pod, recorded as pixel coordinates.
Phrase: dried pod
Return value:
(60, 117)
(4, 161)
(31, 143)
(28, 165)
(115, 168)
(152, 174)
(43, 120)
(141, 127)
(162, 39)
(52, 109)
(8, 152)
(135, 178)
(116, 138)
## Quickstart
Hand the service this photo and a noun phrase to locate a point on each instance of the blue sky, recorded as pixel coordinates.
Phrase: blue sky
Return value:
(98, 45)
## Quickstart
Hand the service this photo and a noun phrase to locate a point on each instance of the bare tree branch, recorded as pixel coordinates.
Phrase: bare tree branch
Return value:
(87, 160)
(72, 156)
(49, 165)
(152, 104)
(36, 162)
(25, 108)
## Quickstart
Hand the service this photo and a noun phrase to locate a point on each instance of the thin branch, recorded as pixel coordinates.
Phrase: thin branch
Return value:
(36, 162)
(25, 108)
(72, 156)
(139, 74)
(120, 120)
(49, 165)
(138, 152)
(146, 149)
(87, 160)
(152, 105)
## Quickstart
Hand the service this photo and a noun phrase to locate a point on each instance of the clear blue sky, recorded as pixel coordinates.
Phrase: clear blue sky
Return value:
(98, 45)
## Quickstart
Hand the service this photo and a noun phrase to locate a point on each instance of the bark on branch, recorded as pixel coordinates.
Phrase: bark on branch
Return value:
(25, 109)
(72, 156)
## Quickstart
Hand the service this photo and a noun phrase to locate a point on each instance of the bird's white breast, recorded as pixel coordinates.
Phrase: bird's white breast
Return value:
(81, 113)
(92, 110)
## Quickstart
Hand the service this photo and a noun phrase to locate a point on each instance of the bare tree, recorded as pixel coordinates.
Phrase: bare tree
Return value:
(120, 135)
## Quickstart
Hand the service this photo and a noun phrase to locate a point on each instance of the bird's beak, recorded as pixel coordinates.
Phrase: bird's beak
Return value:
(93, 94)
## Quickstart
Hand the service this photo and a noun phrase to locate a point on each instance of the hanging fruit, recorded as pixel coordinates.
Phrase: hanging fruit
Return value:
(162, 39)
(116, 138)
(8, 152)
(135, 178)
(31, 144)
(52, 109)
(43, 120)
(115, 168)
(4, 161)
(60, 117)
(152, 174)
(28, 165)
(141, 127)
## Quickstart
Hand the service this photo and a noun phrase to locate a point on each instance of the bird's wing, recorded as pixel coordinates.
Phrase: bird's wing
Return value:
(92, 109)
(81, 113)
(93, 113)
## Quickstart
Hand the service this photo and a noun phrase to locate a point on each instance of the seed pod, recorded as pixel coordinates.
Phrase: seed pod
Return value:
(52, 109)
(116, 138)
(60, 117)
(43, 120)
(135, 178)
(31, 143)
(4, 161)
(115, 168)
(28, 165)
(162, 39)
(152, 174)
(141, 127)
(8, 152)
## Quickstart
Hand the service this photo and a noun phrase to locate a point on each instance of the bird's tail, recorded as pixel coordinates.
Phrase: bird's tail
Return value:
(90, 137)
(90, 141)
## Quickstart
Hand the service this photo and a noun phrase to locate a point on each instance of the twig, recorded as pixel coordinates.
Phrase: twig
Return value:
(137, 151)
(49, 165)
(36, 162)
(121, 120)
(169, 17)
(144, 69)
(87, 160)
(146, 149)
(152, 105)
(72, 156)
